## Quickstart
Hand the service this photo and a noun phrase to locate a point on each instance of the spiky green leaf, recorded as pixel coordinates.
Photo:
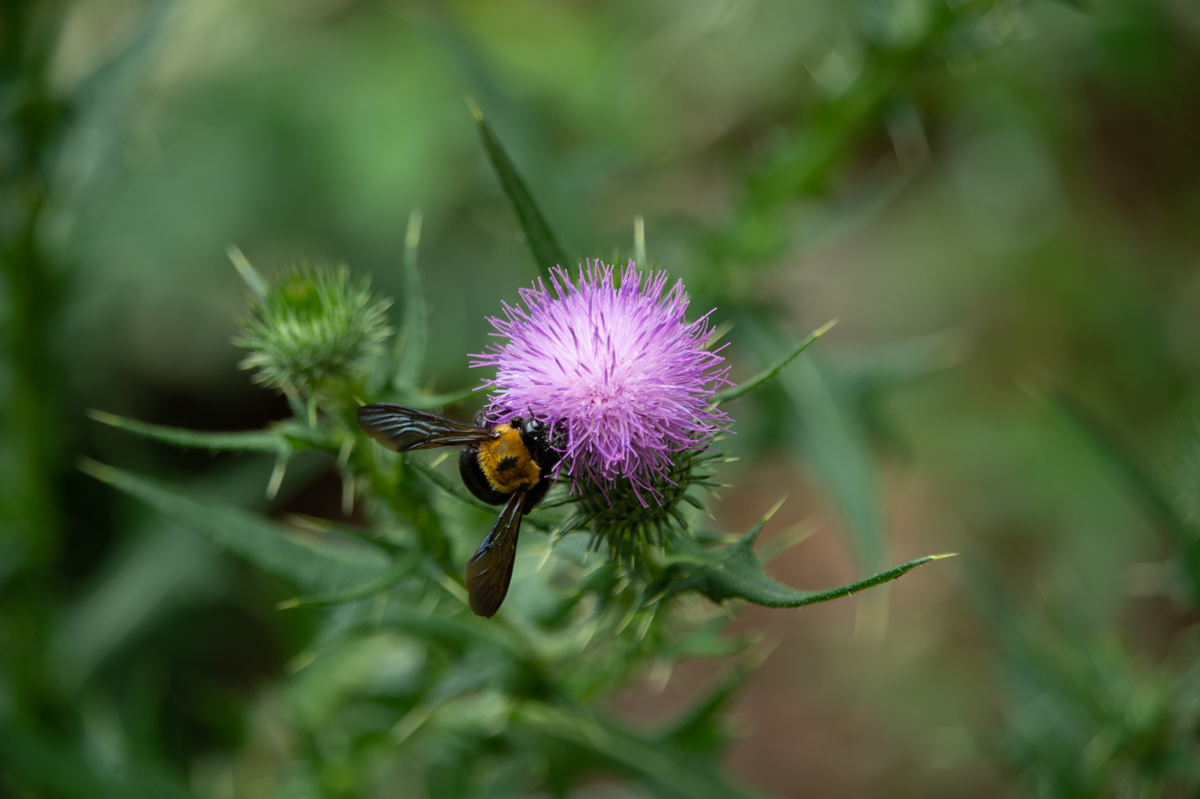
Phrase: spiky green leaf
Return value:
(268, 441)
(538, 235)
(316, 564)
(733, 571)
(772, 371)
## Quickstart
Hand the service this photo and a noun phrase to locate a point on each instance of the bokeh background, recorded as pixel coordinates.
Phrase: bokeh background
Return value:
(1000, 202)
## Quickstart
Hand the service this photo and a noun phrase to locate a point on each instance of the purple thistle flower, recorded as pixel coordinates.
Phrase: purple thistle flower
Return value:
(619, 367)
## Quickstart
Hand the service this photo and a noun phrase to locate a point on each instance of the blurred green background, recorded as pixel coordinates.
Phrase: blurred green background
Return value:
(1000, 201)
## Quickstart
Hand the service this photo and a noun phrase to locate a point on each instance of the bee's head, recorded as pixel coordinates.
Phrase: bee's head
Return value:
(545, 442)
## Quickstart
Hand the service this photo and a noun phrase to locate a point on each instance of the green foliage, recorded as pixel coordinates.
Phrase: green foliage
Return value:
(1087, 715)
(700, 729)
(60, 771)
(666, 770)
(315, 564)
(1181, 531)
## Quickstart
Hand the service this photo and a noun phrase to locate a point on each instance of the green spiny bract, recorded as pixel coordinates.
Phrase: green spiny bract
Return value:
(619, 519)
(314, 332)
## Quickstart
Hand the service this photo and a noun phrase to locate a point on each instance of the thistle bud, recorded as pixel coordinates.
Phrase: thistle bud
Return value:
(314, 333)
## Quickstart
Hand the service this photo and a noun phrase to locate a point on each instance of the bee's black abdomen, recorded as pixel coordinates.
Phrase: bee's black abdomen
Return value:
(474, 479)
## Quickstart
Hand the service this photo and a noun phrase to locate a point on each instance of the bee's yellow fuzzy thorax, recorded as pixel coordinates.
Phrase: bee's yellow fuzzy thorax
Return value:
(506, 462)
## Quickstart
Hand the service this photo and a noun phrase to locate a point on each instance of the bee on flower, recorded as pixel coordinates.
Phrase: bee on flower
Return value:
(602, 379)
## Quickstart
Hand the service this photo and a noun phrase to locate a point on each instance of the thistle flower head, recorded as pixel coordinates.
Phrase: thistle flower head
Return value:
(612, 359)
(312, 330)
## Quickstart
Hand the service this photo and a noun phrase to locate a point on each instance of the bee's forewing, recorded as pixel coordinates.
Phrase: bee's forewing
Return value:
(490, 570)
(402, 429)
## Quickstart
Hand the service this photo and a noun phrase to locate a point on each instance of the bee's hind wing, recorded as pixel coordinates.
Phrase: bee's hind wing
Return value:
(490, 570)
(402, 429)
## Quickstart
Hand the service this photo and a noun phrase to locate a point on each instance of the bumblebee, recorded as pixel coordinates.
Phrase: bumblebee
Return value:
(505, 464)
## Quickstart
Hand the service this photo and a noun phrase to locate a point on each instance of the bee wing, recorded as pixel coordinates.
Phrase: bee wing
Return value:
(490, 570)
(403, 429)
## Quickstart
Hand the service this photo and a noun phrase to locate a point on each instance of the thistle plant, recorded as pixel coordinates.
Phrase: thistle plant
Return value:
(625, 568)
(373, 678)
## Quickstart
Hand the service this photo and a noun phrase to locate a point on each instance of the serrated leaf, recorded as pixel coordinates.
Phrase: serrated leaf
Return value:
(772, 371)
(734, 572)
(414, 336)
(538, 235)
(316, 565)
(268, 441)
